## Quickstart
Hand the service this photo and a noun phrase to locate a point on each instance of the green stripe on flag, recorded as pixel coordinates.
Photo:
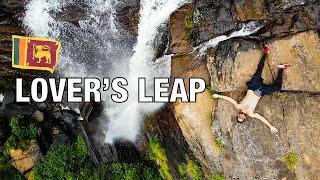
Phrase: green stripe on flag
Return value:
(16, 43)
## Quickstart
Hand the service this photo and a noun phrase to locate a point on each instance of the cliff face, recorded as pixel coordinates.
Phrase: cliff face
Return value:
(249, 150)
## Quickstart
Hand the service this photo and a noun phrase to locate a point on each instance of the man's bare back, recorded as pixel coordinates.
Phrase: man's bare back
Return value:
(256, 90)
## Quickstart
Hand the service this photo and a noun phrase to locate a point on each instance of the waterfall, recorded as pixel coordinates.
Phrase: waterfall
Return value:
(98, 47)
(127, 117)
(246, 30)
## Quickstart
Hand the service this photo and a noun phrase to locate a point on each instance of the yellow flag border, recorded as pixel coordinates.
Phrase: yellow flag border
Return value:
(26, 48)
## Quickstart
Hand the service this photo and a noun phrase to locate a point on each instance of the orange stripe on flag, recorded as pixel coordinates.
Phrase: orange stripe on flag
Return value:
(22, 51)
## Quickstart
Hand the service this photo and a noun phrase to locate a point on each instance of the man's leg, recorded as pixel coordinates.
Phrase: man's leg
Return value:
(256, 78)
(269, 89)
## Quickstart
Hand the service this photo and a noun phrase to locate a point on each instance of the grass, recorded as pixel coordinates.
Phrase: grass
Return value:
(159, 155)
(291, 160)
(191, 169)
(219, 144)
(189, 25)
(217, 177)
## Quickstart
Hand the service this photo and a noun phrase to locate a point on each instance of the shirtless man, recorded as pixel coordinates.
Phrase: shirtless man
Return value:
(256, 89)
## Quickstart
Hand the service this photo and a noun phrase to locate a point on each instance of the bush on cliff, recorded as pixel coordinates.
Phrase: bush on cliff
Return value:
(71, 161)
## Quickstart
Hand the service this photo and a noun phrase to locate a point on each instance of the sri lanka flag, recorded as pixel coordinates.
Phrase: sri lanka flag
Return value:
(35, 53)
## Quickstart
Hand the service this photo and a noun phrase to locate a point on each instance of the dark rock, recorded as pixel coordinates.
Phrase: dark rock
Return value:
(214, 18)
(73, 12)
(290, 19)
(165, 126)
(68, 122)
(120, 151)
(12, 110)
(12, 4)
(128, 14)
(163, 44)
(61, 138)
(9, 97)
(85, 110)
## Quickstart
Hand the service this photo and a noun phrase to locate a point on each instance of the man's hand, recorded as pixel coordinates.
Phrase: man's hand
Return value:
(273, 129)
(215, 96)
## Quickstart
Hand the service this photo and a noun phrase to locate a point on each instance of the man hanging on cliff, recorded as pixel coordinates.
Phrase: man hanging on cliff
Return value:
(256, 89)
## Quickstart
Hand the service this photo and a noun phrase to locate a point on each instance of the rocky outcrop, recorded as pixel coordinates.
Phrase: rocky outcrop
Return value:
(180, 42)
(24, 161)
(291, 29)
(251, 151)
(250, 10)
(214, 18)
(232, 63)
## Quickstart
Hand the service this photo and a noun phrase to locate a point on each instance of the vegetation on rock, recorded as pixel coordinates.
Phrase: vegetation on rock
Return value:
(191, 169)
(217, 177)
(291, 160)
(189, 25)
(281, 97)
(16, 136)
(159, 155)
(219, 144)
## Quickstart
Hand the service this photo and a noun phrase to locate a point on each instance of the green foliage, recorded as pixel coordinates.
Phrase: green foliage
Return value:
(217, 177)
(6, 84)
(210, 90)
(189, 25)
(191, 169)
(22, 132)
(125, 171)
(71, 161)
(281, 97)
(63, 161)
(219, 144)
(211, 120)
(159, 154)
(2, 38)
(291, 159)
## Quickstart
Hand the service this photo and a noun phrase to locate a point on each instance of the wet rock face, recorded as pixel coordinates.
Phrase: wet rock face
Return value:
(73, 13)
(128, 14)
(214, 18)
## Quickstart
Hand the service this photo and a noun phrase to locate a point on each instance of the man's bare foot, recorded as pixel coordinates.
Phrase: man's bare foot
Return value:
(283, 66)
(266, 49)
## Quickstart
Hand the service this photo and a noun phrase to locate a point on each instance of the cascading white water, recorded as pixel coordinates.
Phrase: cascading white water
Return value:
(126, 119)
(247, 29)
(97, 43)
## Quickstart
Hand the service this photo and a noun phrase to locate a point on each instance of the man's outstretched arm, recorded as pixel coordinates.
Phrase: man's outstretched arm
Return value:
(234, 102)
(265, 121)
